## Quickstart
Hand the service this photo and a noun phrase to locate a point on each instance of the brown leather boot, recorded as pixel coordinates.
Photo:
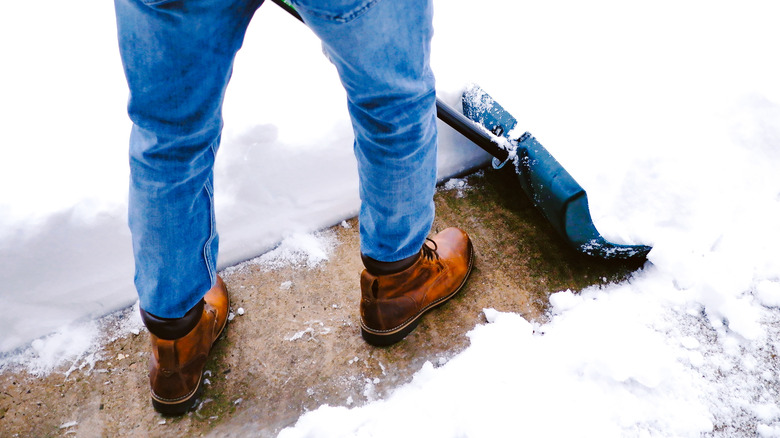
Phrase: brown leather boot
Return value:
(176, 365)
(391, 305)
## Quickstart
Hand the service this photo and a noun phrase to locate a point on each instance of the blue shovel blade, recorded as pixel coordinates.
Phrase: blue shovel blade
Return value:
(551, 188)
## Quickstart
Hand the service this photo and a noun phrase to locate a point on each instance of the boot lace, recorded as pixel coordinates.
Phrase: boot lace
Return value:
(428, 252)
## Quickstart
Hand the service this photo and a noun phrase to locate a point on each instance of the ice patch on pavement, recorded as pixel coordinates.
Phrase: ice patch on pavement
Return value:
(314, 329)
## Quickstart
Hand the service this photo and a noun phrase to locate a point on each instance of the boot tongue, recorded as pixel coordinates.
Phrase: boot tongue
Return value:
(173, 328)
(377, 268)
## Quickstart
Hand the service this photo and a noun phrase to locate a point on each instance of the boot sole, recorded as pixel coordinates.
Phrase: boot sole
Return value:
(390, 337)
(180, 407)
(177, 408)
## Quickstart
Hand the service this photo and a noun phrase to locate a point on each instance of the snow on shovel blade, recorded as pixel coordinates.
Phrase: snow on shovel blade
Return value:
(551, 188)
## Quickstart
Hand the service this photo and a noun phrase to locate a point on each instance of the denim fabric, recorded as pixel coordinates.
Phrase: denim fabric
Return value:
(178, 57)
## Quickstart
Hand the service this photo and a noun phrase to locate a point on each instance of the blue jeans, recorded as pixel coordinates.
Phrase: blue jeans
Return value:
(178, 57)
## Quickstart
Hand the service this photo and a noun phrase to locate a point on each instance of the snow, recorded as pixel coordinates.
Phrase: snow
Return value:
(522, 383)
(460, 185)
(68, 424)
(300, 249)
(78, 344)
(314, 329)
(619, 361)
(667, 113)
(305, 250)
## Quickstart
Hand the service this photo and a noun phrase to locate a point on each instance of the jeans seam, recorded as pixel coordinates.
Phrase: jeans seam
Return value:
(212, 227)
(210, 265)
(155, 2)
(343, 18)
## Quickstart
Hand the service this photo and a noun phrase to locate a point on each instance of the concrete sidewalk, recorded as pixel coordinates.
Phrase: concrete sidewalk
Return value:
(297, 345)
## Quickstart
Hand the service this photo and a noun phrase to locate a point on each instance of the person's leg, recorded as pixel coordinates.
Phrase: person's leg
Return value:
(178, 57)
(381, 49)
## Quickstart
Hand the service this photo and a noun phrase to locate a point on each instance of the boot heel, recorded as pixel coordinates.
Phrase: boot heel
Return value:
(378, 340)
(179, 408)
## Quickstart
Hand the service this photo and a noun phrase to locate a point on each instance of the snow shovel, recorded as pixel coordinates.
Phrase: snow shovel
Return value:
(551, 188)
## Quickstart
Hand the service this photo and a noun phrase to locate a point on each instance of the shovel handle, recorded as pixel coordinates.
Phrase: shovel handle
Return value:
(470, 130)
(288, 8)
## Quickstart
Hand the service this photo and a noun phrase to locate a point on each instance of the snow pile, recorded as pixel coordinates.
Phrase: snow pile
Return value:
(521, 383)
(460, 185)
(79, 344)
(300, 249)
(67, 344)
(636, 359)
